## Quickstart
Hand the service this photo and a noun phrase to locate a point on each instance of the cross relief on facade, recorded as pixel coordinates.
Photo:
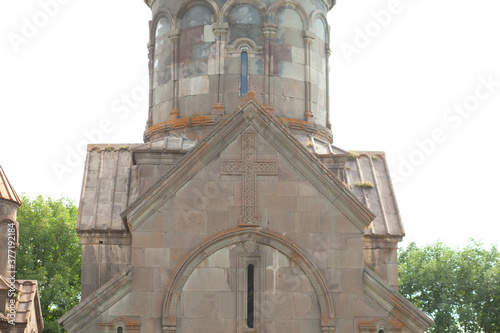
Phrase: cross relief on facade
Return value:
(249, 168)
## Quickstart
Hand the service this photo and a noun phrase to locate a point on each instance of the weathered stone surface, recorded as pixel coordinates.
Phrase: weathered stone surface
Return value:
(175, 229)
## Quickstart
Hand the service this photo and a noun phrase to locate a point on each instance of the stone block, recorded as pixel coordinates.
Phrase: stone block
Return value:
(334, 221)
(282, 189)
(291, 70)
(276, 305)
(157, 257)
(142, 279)
(219, 259)
(298, 55)
(317, 204)
(352, 258)
(138, 257)
(177, 240)
(305, 305)
(178, 256)
(200, 305)
(281, 221)
(190, 220)
(162, 277)
(208, 34)
(307, 221)
(294, 88)
(227, 305)
(351, 280)
(147, 239)
(332, 279)
(134, 304)
(218, 221)
(280, 203)
(201, 50)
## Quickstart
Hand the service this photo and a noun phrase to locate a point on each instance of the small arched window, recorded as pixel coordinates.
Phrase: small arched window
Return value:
(119, 329)
(244, 74)
(380, 331)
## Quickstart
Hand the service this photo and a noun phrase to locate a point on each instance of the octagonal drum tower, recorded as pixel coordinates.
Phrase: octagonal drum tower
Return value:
(205, 55)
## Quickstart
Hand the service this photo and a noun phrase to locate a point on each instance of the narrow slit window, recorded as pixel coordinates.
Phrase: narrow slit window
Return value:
(250, 296)
(244, 74)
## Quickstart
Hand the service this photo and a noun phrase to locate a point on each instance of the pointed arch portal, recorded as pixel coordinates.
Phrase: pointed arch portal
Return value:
(239, 235)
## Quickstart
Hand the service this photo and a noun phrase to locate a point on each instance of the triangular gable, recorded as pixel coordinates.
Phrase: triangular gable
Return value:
(97, 302)
(395, 303)
(250, 113)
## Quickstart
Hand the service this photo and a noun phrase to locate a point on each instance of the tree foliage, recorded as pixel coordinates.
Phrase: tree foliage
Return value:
(459, 289)
(50, 252)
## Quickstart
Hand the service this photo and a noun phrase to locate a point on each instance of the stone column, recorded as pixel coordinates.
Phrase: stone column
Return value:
(151, 55)
(328, 53)
(308, 39)
(269, 31)
(220, 32)
(175, 36)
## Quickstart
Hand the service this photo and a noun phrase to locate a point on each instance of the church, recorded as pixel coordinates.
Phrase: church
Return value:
(237, 214)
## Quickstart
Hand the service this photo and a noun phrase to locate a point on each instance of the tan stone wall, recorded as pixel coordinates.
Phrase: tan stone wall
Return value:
(214, 297)
(287, 204)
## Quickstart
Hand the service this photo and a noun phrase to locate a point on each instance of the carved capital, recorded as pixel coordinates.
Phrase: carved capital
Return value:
(308, 37)
(269, 30)
(309, 115)
(220, 29)
(174, 34)
(217, 109)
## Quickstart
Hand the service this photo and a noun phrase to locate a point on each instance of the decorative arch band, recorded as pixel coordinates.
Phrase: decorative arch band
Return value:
(239, 235)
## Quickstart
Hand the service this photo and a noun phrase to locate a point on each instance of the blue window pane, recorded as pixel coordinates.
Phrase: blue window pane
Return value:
(244, 73)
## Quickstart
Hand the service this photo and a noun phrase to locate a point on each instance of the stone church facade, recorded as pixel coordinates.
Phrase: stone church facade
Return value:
(237, 214)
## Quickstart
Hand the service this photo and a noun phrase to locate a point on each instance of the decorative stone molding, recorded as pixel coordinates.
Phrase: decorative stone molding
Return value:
(220, 29)
(239, 235)
(218, 109)
(128, 324)
(269, 30)
(243, 44)
(249, 168)
(375, 326)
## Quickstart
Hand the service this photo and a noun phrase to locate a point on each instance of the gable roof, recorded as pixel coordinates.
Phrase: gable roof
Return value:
(252, 113)
(7, 192)
(380, 199)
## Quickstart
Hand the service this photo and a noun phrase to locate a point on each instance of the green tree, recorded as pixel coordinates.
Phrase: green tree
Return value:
(459, 289)
(50, 252)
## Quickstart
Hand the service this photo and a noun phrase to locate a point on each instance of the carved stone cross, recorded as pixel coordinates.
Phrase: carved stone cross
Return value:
(249, 168)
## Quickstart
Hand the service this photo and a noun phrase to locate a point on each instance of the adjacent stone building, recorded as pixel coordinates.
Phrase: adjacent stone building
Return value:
(237, 214)
(20, 310)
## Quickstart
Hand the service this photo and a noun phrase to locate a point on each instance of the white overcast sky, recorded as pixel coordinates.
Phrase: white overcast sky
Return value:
(398, 89)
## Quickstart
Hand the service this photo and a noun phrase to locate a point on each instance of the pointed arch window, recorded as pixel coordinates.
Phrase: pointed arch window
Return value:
(244, 74)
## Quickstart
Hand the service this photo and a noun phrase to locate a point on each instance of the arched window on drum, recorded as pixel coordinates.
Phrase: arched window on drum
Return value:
(162, 55)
